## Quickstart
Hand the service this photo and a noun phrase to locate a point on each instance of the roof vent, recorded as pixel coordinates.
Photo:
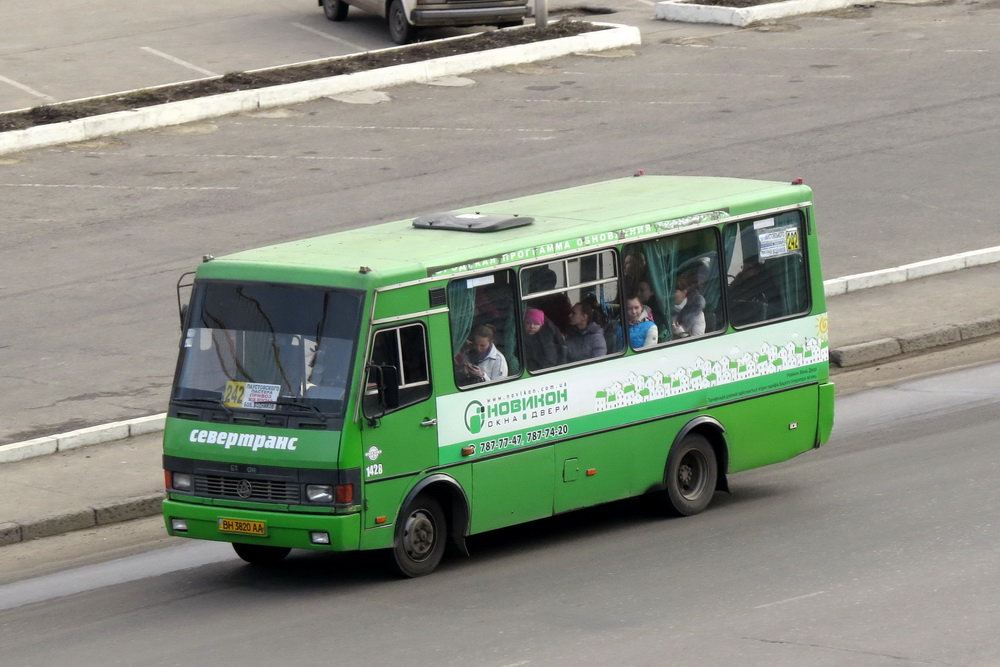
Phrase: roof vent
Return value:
(470, 222)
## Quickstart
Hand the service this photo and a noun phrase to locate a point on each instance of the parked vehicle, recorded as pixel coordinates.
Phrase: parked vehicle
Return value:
(406, 17)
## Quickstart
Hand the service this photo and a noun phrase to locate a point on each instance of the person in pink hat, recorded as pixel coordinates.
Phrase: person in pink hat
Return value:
(543, 344)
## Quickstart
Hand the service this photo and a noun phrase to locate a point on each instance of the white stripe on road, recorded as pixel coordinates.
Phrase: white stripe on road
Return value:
(27, 89)
(240, 157)
(178, 61)
(83, 186)
(324, 35)
(787, 600)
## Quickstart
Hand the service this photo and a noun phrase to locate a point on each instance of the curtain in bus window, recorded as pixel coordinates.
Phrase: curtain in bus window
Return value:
(662, 264)
(461, 311)
(510, 340)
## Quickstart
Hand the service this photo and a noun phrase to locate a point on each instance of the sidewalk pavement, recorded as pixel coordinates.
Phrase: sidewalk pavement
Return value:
(122, 479)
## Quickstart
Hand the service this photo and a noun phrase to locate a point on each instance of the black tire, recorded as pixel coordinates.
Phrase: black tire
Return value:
(259, 554)
(510, 24)
(692, 472)
(400, 30)
(421, 536)
(335, 10)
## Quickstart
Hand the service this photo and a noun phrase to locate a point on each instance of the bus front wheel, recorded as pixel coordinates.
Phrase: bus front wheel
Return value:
(692, 471)
(420, 537)
(259, 554)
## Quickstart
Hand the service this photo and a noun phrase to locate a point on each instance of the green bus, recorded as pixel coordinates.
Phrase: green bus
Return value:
(406, 385)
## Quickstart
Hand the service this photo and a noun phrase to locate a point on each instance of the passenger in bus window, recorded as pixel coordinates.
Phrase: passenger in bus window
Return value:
(750, 293)
(482, 361)
(647, 297)
(642, 330)
(585, 339)
(544, 346)
(689, 310)
(556, 306)
(635, 267)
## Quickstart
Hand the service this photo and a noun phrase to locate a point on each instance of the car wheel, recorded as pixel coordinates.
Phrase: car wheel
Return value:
(335, 10)
(400, 29)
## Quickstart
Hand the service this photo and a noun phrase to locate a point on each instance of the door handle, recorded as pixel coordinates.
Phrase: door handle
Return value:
(429, 422)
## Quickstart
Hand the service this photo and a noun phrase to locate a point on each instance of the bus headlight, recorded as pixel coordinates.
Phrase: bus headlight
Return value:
(319, 493)
(181, 481)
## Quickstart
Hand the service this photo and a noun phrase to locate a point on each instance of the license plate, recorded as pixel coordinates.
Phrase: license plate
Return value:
(258, 528)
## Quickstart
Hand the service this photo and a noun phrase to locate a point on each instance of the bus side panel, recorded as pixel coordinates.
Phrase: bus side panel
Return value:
(594, 469)
(383, 500)
(512, 489)
(770, 429)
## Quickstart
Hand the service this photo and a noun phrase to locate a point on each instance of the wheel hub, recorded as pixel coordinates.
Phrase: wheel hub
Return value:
(418, 536)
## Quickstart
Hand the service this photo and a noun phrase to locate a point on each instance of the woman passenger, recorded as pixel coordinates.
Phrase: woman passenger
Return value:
(585, 339)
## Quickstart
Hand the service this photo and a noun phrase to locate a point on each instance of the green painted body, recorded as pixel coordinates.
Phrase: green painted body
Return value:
(555, 442)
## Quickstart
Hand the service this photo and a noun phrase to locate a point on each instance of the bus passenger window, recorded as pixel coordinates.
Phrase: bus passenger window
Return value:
(578, 299)
(766, 269)
(484, 323)
(676, 281)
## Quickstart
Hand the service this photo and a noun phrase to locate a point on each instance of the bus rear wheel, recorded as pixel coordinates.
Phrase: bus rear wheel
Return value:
(259, 554)
(692, 472)
(420, 537)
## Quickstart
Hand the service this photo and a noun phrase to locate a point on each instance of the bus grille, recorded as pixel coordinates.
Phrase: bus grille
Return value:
(261, 490)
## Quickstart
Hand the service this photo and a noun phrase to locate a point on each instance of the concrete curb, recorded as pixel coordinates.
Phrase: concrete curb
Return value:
(899, 274)
(138, 507)
(92, 435)
(187, 111)
(690, 12)
(861, 354)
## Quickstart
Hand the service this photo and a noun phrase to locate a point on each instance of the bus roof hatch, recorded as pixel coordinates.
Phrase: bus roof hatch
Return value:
(470, 222)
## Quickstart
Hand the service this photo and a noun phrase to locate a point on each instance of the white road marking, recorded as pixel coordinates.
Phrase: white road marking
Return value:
(27, 89)
(324, 35)
(82, 186)
(178, 61)
(238, 157)
(417, 128)
(800, 597)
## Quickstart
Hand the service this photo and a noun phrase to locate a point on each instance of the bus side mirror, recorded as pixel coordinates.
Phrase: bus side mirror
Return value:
(183, 314)
(388, 388)
(386, 391)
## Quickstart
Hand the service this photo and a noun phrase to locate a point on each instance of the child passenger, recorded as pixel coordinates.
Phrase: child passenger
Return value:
(543, 344)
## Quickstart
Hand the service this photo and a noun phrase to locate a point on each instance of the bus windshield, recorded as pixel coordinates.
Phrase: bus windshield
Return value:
(254, 346)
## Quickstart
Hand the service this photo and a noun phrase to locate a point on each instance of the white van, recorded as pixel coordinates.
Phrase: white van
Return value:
(405, 17)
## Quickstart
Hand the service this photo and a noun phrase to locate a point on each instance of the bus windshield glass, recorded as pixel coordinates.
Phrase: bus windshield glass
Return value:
(255, 346)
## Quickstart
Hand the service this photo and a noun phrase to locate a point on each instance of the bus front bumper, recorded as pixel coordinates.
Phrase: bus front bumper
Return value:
(277, 529)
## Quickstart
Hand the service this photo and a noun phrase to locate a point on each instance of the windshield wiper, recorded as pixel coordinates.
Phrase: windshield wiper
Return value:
(214, 402)
(309, 406)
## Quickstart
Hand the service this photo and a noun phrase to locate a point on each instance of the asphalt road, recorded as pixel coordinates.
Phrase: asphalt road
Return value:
(888, 114)
(878, 549)
(106, 46)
